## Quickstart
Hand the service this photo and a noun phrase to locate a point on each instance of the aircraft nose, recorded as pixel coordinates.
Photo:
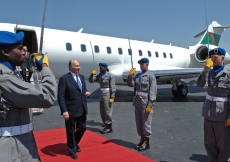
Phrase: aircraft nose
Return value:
(227, 58)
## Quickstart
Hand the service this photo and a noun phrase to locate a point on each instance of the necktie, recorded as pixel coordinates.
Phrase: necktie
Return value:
(78, 82)
(26, 55)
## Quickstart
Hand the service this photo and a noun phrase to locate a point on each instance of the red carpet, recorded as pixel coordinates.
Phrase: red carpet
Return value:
(95, 148)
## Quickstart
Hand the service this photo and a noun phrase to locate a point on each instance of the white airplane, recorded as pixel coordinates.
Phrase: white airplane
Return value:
(170, 64)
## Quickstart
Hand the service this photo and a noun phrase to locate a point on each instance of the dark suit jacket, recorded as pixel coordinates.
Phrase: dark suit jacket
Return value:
(70, 97)
(27, 63)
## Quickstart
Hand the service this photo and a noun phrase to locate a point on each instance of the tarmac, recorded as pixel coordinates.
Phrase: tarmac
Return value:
(177, 126)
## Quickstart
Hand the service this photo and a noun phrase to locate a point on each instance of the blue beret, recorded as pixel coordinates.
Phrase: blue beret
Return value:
(217, 51)
(143, 60)
(8, 38)
(103, 64)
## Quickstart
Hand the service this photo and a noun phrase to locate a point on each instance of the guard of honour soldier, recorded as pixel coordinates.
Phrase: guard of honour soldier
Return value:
(144, 99)
(216, 106)
(17, 141)
(107, 95)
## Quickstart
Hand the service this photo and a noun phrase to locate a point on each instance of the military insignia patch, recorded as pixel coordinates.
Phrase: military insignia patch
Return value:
(153, 78)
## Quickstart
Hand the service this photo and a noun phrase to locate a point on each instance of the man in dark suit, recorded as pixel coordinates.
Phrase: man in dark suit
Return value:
(72, 96)
(27, 64)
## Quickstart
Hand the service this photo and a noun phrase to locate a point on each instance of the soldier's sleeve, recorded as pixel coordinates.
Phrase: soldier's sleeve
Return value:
(25, 95)
(93, 78)
(112, 86)
(131, 81)
(152, 90)
(203, 78)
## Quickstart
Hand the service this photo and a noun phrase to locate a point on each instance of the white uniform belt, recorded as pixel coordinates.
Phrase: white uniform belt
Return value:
(142, 93)
(16, 130)
(212, 98)
(105, 89)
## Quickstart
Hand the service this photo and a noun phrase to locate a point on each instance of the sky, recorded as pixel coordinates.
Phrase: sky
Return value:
(164, 21)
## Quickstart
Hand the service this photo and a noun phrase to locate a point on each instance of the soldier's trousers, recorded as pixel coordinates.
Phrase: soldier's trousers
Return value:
(216, 140)
(143, 122)
(106, 110)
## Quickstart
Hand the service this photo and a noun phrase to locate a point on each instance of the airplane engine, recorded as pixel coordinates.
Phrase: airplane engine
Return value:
(201, 53)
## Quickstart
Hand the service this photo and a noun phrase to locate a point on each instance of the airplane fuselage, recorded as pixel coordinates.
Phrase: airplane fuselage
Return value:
(62, 46)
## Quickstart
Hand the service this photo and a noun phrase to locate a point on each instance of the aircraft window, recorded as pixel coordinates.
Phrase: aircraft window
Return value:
(130, 51)
(140, 53)
(68, 46)
(164, 55)
(96, 49)
(109, 51)
(120, 51)
(171, 56)
(83, 48)
(157, 55)
(149, 54)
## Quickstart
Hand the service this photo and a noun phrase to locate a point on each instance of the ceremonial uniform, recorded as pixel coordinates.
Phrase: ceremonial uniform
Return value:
(17, 142)
(146, 90)
(216, 110)
(107, 91)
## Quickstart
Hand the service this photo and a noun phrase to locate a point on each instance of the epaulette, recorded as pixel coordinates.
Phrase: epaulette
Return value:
(110, 75)
(17, 74)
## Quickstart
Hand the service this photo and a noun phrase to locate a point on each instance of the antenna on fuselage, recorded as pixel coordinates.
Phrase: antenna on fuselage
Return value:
(92, 54)
(16, 28)
(131, 53)
(207, 27)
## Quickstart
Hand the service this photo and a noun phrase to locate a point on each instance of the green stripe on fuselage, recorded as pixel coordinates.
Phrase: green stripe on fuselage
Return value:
(212, 37)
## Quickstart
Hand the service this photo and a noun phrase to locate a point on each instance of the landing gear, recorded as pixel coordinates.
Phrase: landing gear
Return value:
(175, 92)
(180, 90)
(183, 90)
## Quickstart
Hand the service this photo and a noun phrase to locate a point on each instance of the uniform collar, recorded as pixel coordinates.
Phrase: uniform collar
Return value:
(102, 74)
(9, 65)
(222, 69)
(143, 71)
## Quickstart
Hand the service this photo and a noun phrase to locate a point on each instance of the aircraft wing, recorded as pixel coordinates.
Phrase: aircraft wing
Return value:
(165, 76)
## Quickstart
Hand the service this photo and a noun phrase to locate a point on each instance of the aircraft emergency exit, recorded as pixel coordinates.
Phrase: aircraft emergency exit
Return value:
(170, 64)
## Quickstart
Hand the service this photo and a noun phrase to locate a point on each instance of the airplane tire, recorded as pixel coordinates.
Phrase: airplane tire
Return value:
(183, 90)
(175, 93)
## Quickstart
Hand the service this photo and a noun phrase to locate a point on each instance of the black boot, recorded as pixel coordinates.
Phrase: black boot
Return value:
(139, 144)
(107, 129)
(145, 145)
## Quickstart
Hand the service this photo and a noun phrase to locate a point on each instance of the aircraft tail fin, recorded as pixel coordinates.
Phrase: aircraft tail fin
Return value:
(212, 35)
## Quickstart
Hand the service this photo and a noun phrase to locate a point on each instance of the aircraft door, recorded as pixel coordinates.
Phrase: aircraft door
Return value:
(30, 40)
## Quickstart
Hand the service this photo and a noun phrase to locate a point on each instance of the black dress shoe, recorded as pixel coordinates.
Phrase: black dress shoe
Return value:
(105, 131)
(73, 156)
(78, 149)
